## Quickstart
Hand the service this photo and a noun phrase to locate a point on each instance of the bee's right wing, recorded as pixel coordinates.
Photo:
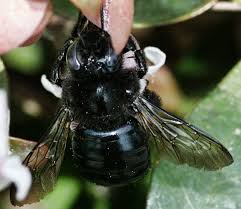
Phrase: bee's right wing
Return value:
(179, 141)
(45, 159)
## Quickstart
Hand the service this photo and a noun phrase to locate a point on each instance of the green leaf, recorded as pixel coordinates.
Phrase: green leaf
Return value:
(64, 194)
(184, 187)
(162, 12)
(28, 60)
(236, 1)
(152, 12)
(65, 8)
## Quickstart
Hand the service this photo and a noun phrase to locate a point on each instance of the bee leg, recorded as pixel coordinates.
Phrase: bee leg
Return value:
(133, 45)
(79, 26)
(59, 63)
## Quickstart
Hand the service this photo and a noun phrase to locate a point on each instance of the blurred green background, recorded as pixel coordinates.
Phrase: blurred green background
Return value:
(200, 52)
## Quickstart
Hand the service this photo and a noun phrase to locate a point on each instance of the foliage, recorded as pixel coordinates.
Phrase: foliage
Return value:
(184, 187)
(164, 12)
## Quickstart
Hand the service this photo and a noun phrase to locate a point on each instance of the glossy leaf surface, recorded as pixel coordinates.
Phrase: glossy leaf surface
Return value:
(185, 187)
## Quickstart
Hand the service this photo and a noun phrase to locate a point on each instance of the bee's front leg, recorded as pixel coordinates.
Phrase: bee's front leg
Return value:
(55, 76)
(133, 45)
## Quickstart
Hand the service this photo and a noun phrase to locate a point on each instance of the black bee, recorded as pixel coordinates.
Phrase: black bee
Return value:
(112, 119)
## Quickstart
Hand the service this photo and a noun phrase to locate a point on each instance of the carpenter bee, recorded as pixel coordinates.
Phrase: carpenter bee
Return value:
(111, 118)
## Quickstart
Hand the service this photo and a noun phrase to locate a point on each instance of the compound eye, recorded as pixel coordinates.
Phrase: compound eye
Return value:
(73, 57)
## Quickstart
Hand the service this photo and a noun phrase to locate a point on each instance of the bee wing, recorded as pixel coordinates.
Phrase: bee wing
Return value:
(180, 141)
(45, 159)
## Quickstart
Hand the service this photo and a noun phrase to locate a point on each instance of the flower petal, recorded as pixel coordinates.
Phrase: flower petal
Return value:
(12, 170)
(4, 182)
(40, 29)
(156, 56)
(4, 122)
(18, 20)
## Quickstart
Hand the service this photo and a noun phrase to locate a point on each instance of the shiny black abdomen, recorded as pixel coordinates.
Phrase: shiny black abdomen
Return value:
(113, 157)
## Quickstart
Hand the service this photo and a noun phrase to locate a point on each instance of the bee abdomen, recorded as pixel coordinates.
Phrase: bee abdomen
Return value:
(112, 158)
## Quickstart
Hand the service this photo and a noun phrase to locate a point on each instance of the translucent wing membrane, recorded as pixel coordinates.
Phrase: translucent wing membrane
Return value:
(179, 141)
(45, 159)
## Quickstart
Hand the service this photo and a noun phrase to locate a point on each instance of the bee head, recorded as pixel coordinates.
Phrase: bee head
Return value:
(92, 53)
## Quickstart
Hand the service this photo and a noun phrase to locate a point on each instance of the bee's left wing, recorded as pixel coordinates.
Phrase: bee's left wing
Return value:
(45, 159)
(180, 141)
